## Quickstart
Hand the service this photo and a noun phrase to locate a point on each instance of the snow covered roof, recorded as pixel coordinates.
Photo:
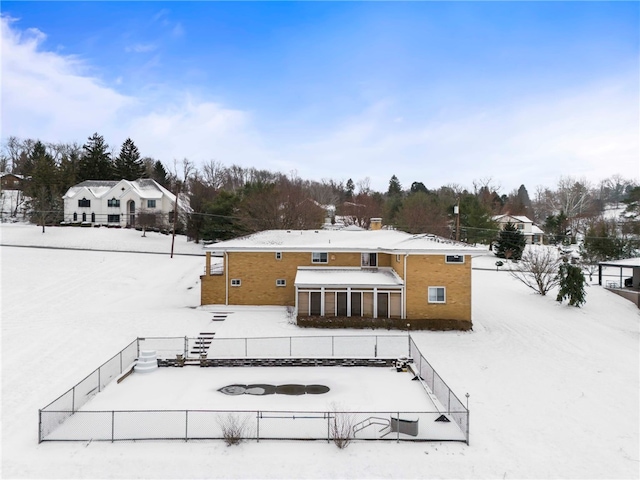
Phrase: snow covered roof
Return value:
(517, 218)
(145, 188)
(626, 262)
(391, 241)
(359, 277)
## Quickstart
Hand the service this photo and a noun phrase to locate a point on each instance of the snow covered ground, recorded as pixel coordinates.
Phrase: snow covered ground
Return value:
(553, 389)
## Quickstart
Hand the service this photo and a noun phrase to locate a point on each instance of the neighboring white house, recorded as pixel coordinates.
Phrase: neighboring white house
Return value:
(531, 232)
(119, 202)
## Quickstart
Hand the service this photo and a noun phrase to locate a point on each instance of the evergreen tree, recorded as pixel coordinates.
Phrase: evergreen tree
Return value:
(350, 189)
(418, 187)
(393, 202)
(128, 164)
(160, 174)
(571, 281)
(476, 223)
(43, 187)
(510, 243)
(95, 163)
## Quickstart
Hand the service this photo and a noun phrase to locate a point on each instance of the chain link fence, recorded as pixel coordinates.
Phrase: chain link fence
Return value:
(448, 402)
(62, 419)
(353, 346)
(58, 411)
(253, 425)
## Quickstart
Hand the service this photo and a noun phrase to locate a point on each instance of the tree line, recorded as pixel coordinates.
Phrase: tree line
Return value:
(228, 201)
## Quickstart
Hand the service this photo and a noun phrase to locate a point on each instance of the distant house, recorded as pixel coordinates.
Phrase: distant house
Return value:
(11, 181)
(531, 232)
(345, 273)
(119, 203)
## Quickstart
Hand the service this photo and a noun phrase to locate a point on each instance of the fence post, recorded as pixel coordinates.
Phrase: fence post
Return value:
(99, 382)
(186, 346)
(258, 427)
(186, 425)
(245, 347)
(113, 424)
(39, 426)
(375, 349)
(449, 404)
(397, 428)
(73, 399)
(290, 346)
(332, 354)
(328, 427)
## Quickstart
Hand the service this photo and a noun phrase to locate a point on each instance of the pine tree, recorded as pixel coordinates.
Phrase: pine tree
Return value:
(43, 187)
(350, 189)
(160, 174)
(128, 164)
(96, 163)
(571, 281)
(510, 243)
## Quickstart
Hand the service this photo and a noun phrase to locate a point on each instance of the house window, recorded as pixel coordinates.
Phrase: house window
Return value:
(236, 282)
(278, 255)
(281, 282)
(75, 216)
(437, 295)
(84, 216)
(369, 260)
(398, 258)
(520, 226)
(113, 218)
(151, 204)
(454, 259)
(113, 203)
(84, 202)
(319, 257)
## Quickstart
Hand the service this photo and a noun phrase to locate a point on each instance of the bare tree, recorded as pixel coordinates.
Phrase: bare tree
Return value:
(538, 269)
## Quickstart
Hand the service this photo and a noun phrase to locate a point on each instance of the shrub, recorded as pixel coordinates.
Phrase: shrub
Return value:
(341, 428)
(234, 428)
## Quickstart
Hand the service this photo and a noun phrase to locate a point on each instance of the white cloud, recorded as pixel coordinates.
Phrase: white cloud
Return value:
(50, 97)
(591, 133)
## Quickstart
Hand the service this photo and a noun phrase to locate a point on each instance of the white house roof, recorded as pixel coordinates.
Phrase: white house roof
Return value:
(391, 241)
(626, 262)
(323, 276)
(145, 188)
(517, 218)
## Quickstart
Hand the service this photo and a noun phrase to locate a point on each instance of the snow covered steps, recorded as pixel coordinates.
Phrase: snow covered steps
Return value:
(201, 345)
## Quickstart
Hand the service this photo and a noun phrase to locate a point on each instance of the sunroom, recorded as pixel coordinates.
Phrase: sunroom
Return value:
(349, 292)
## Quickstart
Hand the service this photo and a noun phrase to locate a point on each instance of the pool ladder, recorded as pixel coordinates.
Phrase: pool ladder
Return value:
(373, 421)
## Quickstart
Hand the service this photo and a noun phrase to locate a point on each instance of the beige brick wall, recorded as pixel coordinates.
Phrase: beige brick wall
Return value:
(425, 271)
(258, 273)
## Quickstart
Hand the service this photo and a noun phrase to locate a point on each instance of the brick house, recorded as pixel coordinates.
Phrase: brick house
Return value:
(345, 273)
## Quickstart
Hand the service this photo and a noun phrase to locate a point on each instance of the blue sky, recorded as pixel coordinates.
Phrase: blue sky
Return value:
(437, 92)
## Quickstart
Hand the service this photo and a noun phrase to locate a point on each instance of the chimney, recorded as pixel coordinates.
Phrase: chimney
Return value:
(376, 224)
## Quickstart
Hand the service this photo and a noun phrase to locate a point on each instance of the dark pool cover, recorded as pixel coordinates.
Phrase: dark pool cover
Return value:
(266, 389)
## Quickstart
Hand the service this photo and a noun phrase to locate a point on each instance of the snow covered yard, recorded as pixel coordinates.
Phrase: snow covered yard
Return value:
(554, 389)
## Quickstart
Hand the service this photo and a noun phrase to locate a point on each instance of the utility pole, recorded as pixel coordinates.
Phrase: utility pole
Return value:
(175, 216)
(456, 210)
